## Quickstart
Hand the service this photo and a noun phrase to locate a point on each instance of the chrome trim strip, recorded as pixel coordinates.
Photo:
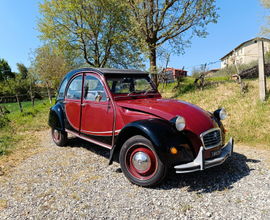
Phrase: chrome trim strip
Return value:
(89, 140)
(207, 132)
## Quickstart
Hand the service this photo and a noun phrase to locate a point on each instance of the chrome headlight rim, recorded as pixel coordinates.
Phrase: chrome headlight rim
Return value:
(180, 123)
(220, 114)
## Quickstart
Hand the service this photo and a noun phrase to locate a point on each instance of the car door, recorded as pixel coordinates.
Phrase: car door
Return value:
(73, 104)
(97, 112)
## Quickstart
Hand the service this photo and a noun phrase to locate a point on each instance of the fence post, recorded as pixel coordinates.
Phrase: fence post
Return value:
(262, 81)
(18, 100)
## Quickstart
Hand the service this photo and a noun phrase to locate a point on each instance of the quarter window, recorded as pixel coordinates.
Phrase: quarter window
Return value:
(61, 92)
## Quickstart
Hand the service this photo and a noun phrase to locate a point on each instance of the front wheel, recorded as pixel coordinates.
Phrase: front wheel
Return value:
(59, 137)
(139, 162)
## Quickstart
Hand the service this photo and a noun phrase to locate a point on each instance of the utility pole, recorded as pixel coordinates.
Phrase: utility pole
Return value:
(262, 81)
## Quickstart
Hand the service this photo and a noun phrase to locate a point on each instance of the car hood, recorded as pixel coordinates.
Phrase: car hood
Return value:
(197, 119)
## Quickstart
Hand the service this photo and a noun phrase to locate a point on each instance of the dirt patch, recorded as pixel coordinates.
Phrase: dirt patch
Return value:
(31, 145)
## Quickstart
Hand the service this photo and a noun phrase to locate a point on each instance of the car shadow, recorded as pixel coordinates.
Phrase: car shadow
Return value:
(101, 151)
(217, 178)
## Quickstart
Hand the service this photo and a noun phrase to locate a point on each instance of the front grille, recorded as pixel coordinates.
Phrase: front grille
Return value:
(211, 138)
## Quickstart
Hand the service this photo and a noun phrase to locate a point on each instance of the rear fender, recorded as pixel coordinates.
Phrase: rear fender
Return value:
(56, 117)
(163, 136)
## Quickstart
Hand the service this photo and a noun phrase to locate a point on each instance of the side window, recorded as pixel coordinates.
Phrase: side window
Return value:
(93, 89)
(75, 88)
(61, 92)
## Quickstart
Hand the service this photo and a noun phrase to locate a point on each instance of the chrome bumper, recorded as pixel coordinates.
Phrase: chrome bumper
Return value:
(200, 163)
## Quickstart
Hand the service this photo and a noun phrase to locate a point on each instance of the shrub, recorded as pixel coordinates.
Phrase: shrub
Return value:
(3, 121)
(231, 70)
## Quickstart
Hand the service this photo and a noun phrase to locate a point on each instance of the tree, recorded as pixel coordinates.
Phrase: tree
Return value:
(98, 29)
(12, 83)
(156, 22)
(265, 29)
(50, 67)
(197, 71)
(23, 70)
(5, 71)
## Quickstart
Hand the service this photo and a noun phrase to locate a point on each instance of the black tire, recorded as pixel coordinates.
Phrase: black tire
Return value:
(59, 137)
(140, 163)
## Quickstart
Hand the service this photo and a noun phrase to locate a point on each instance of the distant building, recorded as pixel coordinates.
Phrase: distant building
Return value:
(211, 72)
(176, 72)
(245, 52)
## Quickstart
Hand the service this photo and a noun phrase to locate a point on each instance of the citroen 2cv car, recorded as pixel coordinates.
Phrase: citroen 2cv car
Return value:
(123, 111)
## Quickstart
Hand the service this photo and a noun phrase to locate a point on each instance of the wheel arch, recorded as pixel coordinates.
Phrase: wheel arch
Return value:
(161, 134)
(56, 117)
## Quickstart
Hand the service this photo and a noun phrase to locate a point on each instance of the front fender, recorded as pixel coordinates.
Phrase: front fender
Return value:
(56, 117)
(163, 136)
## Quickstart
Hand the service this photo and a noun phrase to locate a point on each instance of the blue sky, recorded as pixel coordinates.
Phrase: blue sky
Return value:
(238, 22)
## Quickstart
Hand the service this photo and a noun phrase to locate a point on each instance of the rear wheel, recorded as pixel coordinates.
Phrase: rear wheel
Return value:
(139, 162)
(59, 137)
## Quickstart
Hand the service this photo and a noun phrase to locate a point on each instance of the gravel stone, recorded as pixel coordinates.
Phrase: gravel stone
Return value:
(76, 182)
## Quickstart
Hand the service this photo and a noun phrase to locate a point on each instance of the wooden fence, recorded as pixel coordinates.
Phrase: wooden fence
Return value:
(20, 98)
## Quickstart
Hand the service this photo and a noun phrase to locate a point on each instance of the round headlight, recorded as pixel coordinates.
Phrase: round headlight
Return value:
(222, 114)
(180, 123)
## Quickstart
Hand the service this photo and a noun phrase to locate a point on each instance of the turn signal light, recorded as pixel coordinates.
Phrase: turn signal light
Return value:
(225, 131)
(173, 150)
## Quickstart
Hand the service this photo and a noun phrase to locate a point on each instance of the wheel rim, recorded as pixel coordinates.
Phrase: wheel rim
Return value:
(56, 135)
(141, 162)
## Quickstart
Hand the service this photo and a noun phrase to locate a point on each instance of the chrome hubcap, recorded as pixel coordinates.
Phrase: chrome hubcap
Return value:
(141, 161)
(56, 133)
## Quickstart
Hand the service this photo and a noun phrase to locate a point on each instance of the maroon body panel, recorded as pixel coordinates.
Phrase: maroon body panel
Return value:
(73, 113)
(97, 119)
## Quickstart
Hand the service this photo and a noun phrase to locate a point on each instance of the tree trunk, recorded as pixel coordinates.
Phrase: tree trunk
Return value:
(33, 101)
(153, 64)
(49, 94)
(19, 103)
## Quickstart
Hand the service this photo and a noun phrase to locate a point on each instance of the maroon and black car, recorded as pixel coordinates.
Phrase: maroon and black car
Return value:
(122, 110)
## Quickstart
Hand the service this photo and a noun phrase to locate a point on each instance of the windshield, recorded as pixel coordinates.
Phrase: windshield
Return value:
(130, 84)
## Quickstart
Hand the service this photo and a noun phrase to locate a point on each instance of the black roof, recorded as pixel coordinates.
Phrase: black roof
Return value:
(105, 71)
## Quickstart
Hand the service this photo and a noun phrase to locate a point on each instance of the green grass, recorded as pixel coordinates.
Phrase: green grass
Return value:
(248, 120)
(218, 78)
(17, 126)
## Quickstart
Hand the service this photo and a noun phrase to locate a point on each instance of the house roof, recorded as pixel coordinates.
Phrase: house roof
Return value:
(257, 38)
(171, 68)
(215, 69)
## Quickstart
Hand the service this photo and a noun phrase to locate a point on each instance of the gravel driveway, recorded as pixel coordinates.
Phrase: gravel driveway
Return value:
(75, 182)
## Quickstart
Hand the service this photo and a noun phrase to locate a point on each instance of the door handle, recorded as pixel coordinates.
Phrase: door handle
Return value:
(83, 105)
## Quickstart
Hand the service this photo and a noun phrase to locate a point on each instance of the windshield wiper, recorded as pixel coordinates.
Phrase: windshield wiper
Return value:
(135, 92)
(147, 91)
(141, 91)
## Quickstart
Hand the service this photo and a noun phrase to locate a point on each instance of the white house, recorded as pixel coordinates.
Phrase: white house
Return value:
(245, 52)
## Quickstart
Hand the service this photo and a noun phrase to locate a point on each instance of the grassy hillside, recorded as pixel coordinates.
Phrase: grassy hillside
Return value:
(17, 129)
(248, 119)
